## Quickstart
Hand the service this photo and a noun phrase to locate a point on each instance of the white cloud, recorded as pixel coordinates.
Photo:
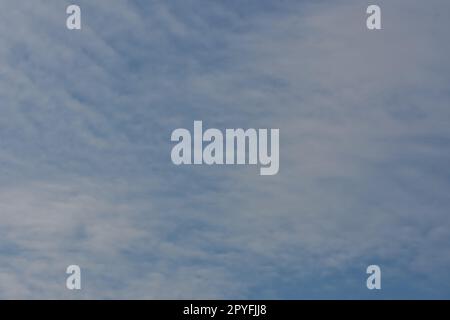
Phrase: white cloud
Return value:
(85, 150)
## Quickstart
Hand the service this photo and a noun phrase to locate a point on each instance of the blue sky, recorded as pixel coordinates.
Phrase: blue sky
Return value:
(85, 170)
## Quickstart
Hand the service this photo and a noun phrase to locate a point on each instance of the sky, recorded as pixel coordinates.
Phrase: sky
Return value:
(86, 176)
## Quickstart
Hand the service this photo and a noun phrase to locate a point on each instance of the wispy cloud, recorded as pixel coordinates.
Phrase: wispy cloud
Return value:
(86, 176)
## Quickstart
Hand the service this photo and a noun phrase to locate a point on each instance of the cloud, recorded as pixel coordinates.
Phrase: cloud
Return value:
(86, 177)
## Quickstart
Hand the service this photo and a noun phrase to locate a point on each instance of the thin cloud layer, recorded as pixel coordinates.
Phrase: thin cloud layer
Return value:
(86, 176)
